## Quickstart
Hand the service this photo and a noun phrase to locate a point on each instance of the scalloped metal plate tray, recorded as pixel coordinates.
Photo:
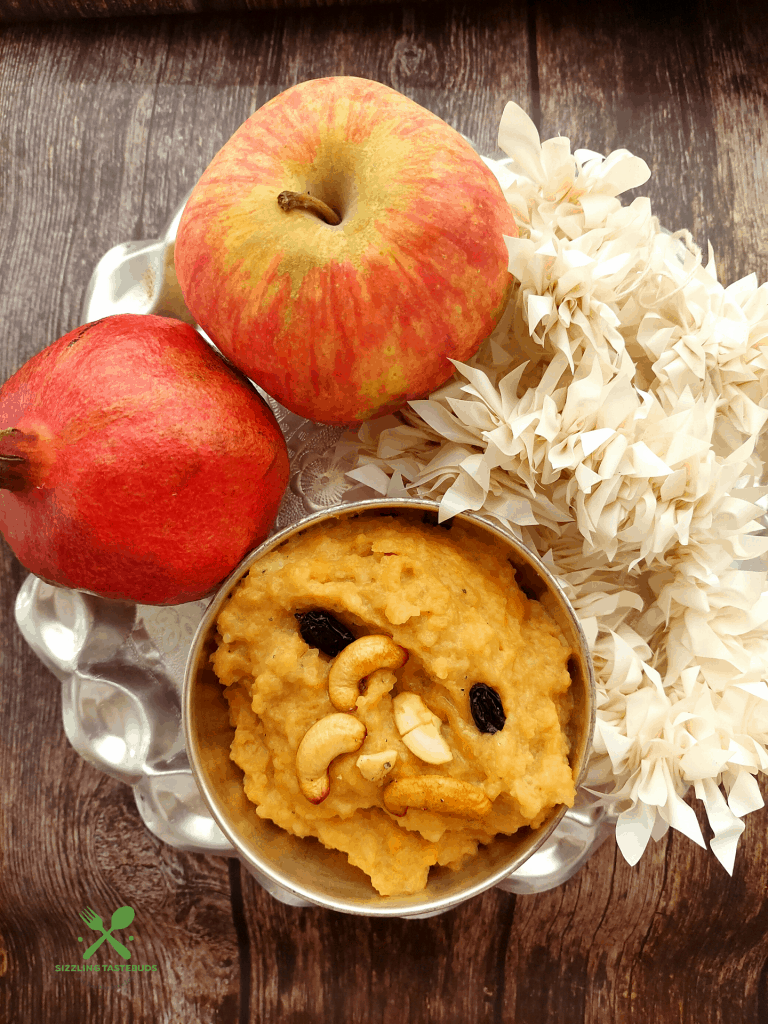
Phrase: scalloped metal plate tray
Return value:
(121, 665)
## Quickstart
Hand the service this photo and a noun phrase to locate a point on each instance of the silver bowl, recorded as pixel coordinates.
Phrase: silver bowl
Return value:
(302, 870)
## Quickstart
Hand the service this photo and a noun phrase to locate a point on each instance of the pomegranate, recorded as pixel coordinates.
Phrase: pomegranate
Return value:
(135, 462)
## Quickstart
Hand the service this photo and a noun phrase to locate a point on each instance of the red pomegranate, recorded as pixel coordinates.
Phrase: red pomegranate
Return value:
(135, 462)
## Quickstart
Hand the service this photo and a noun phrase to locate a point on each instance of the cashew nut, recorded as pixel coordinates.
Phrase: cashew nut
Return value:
(436, 793)
(376, 685)
(358, 660)
(420, 729)
(410, 711)
(333, 735)
(375, 767)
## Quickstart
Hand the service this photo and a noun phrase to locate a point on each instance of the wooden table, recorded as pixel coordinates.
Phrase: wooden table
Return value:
(104, 125)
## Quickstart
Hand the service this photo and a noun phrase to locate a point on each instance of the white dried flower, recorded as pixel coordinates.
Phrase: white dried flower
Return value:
(610, 421)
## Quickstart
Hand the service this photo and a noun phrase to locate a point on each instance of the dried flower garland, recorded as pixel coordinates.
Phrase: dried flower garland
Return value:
(611, 422)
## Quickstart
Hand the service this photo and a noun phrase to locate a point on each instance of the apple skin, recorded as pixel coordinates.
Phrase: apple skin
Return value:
(135, 463)
(342, 323)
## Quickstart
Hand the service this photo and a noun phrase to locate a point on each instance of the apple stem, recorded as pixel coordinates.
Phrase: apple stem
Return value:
(14, 467)
(304, 201)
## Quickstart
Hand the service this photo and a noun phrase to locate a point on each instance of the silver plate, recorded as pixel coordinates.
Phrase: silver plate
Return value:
(121, 665)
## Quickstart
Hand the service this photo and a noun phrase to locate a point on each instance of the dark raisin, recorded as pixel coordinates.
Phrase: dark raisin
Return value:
(320, 629)
(486, 707)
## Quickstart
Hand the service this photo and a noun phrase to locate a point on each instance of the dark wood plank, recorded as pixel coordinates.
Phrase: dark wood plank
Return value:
(735, 56)
(48, 10)
(682, 85)
(315, 965)
(73, 838)
(673, 938)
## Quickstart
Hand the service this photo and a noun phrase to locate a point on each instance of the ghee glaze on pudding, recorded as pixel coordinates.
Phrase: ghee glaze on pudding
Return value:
(434, 717)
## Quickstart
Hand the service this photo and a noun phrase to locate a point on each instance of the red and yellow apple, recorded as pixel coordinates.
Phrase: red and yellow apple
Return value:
(342, 247)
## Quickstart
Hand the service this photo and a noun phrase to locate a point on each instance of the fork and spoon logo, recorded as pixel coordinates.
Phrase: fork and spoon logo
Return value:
(121, 918)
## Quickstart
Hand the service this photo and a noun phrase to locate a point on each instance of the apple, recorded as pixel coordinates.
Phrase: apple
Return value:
(342, 247)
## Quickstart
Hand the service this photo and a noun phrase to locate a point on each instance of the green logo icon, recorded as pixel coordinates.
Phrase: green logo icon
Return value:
(121, 918)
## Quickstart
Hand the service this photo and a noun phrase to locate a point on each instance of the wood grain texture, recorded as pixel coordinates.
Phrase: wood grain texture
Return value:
(49, 10)
(104, 126)
(73, 838)
(313, 965)
(682, 85)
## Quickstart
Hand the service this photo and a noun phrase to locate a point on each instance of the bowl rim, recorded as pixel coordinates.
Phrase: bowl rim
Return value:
(418, 904)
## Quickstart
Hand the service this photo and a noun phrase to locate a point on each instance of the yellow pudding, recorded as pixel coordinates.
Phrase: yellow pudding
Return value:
(463, 736)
